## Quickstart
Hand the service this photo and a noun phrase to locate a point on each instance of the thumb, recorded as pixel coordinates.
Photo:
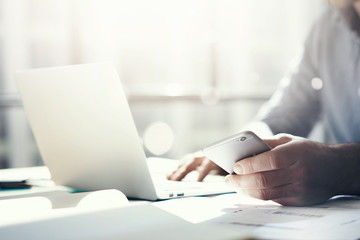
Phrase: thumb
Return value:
(279, 139)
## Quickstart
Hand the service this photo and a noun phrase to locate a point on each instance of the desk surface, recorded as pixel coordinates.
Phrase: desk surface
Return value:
(50, 209)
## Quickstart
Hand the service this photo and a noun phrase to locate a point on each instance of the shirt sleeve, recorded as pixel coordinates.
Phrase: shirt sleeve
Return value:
(295, 106)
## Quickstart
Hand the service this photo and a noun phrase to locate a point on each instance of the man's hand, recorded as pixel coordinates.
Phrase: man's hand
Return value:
(192, 162)
(299, 172)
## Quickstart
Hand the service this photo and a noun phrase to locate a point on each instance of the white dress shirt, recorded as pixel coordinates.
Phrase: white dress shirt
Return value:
(325, 86)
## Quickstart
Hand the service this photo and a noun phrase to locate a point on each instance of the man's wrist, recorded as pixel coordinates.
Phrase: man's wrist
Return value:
(347, 157)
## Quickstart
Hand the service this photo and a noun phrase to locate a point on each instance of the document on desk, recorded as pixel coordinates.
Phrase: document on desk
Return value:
(337, 219)
(43, 205)
(133, 222)
(105, 214)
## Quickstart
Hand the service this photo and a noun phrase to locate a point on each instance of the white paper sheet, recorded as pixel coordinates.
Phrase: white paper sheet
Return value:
(55, 203)
(135, 222)
(337, 219)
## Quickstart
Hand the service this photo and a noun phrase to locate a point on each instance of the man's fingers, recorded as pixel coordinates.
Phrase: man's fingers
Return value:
(203, 173)
(177, 175)
(181, 172)
(270, 193)
(188, 164)
(270, 160)
(263, 180)
(266, 161)
(279, 139)
(204, 169)
(290, 201)
(284, 191)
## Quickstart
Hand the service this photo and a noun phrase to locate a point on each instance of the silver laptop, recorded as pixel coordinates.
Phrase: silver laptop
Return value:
(86, 135)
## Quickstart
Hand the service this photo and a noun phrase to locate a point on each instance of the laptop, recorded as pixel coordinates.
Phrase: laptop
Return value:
(86, 135)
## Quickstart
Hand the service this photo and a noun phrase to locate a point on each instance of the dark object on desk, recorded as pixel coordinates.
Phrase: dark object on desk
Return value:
(17, 184)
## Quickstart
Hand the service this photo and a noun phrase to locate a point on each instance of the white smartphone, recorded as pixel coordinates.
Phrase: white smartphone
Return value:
(226, 152)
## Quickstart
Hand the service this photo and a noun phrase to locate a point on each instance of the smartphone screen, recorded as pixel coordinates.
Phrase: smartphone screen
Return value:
(226, 152)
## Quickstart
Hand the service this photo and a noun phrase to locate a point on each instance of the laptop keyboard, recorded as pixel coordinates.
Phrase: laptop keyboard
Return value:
(189, 185)
(163, 184)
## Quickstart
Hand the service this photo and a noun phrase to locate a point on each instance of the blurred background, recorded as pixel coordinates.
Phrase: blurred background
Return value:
(194, 71)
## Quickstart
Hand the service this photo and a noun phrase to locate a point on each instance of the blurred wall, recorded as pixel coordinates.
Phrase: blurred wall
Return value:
(194, 70)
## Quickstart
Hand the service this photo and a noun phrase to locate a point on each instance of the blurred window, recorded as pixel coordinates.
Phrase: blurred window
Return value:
(195, 69)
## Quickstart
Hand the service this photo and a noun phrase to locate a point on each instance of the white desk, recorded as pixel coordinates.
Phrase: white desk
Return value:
(53, 213)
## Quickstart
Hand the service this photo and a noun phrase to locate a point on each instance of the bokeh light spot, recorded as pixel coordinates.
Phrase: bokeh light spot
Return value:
(317, 83)
(158, 138)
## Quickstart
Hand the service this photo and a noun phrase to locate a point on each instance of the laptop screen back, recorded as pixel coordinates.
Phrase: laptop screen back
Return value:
(84, 129)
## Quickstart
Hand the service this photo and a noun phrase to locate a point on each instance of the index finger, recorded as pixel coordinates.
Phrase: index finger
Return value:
(278, 140)
(270, 160)
(188, 164)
